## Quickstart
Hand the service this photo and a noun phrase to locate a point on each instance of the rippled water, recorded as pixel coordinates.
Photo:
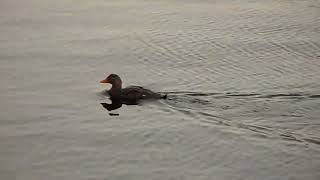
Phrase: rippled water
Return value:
(242, 78)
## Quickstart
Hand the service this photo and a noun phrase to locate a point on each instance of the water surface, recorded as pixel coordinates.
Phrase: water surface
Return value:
(242, 79)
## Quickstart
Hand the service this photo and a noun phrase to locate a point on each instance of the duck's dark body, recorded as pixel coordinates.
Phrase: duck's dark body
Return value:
(129, 94)
(133, 93)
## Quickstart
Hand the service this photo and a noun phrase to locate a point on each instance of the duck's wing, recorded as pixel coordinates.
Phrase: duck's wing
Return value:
(141, 93)
(132, 93)
(132, 89)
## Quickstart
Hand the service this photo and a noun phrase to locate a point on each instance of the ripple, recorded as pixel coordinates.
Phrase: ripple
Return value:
(206, 108)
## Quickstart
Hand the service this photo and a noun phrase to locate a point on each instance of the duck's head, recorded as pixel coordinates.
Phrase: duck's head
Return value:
(112, 79)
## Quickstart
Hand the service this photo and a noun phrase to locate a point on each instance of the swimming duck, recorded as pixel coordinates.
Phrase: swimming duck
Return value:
(131, 93)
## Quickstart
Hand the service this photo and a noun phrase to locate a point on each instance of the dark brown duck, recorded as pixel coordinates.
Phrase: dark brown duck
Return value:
(130, 93)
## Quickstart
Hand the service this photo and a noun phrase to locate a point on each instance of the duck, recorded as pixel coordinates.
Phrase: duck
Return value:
(130, 93)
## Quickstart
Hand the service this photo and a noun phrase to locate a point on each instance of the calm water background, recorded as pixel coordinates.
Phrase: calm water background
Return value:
(242, 77)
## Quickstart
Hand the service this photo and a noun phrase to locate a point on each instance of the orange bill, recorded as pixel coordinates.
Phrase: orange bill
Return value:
(104, 81)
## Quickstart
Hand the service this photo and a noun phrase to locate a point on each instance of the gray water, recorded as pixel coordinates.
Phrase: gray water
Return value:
(242, 78)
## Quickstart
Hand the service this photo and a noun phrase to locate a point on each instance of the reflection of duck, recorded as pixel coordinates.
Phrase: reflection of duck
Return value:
(128, 94)
(114, 105)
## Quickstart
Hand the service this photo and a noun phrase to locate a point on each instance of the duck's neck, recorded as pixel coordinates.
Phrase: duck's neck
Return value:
(115, 90)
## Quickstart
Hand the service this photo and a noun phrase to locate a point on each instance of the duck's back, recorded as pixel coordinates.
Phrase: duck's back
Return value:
(138, 92)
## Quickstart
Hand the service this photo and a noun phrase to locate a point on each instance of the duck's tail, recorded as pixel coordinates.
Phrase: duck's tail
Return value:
(164, 96)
